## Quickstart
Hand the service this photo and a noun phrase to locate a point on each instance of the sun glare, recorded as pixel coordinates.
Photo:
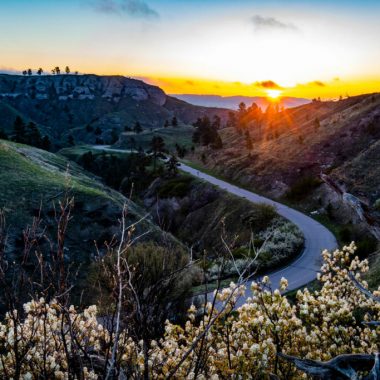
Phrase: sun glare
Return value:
(273, 94)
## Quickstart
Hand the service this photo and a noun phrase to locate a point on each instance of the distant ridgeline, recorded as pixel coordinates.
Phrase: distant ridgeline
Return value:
(89, 108)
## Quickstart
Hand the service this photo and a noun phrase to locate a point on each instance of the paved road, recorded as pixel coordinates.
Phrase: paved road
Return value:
(317, 237)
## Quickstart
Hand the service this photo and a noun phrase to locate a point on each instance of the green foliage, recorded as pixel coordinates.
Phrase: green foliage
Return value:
(260, 218)
(175, 187)
(118, 171)
(206, 133)
(302, 188)
(365, 243)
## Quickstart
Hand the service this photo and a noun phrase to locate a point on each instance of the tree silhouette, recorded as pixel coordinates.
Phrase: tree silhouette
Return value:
(166, 125)
(248, 141)
(40, 71)
(57, 70)
(174, 122)
(157, 149)
(24, 72)
(67, 70)
(30, 72)
(32, 135)
(317, 124)
(70, 140)
(3, 135)
(137, 128)
(45, 143)
(172, 166)
(19, 130)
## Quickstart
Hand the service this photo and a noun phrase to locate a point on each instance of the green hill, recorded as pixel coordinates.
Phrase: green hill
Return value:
(32, 179)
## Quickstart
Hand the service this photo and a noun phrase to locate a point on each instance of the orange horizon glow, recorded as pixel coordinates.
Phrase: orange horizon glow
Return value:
(327, 90)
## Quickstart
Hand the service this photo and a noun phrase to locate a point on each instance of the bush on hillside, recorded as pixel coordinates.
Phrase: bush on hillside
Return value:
(302, 188)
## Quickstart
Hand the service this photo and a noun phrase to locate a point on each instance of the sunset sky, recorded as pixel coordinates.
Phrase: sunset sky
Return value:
(236, 47)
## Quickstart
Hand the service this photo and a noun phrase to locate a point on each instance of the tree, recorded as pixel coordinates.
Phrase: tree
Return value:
(174, 122)
(3, 135)
(157, 149)
(89, 128)
(67, 70)
(25, 72)
(87, 160)
(53, 71)
(30, 72)
(40, 71)
(98, 131)
(45, 143)
(181, 150)
(217, 122)
(19, 130)
(70, 140)
(166, 125)
(206, 133)
(231, 121)
(114, 136)
(137, 128)
(172, 166)
(317, 124)
(32, 135)
(242, 108)
(57, 70)
(132, 143)
(248, 141)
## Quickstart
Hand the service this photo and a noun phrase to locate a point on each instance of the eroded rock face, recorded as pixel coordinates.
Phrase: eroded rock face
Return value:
(64, 87)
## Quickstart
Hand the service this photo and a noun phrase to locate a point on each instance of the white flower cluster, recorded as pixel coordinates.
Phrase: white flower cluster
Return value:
(242, 343)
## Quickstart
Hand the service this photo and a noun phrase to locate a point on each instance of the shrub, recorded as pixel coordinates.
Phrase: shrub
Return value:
(260, 218)
(243, 342)
(175, 187)
(303, 187)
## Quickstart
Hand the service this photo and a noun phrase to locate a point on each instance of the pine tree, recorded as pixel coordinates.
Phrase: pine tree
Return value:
(174, 122)
(137, 128)
(157, 149)
(3, 135)
(172, 166)
(19, 130)
(45, 143)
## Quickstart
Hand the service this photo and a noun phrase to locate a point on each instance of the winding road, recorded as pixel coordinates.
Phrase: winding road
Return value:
(317, 237)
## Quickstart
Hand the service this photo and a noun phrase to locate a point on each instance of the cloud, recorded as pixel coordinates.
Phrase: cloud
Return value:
(135, 8)
(318, 83)
(266, 23)
(268, 84)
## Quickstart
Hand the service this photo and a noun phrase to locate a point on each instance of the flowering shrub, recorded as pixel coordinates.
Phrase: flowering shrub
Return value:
(225, 343)
(281, 241)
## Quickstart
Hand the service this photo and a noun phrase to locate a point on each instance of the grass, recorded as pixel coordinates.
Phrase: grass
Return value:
(181, 135)
(30, 176)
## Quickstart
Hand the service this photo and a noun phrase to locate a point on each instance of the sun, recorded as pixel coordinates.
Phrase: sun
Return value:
(273, 94)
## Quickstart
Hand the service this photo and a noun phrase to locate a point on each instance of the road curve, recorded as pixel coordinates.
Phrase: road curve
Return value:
(317, 237)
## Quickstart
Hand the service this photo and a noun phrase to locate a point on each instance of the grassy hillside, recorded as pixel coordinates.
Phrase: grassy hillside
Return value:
(31, 179)
(322, 157)
(291, 145)
(181, 135)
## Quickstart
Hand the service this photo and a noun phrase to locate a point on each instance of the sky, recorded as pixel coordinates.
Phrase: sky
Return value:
(310, 48)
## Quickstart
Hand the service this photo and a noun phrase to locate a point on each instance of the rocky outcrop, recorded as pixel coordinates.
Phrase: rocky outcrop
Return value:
(80, 87)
